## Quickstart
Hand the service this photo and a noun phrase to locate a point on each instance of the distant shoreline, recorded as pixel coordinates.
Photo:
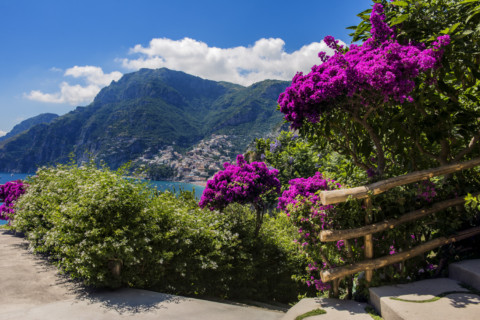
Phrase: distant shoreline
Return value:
(202, 184)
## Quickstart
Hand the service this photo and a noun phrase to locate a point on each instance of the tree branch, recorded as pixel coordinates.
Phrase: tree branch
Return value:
(469, 148)
(425, 152)
(376, 141)
(353, 152)
(445, 150)
(453, 98)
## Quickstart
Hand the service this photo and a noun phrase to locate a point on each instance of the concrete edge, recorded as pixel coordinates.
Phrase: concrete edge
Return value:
(467, 271)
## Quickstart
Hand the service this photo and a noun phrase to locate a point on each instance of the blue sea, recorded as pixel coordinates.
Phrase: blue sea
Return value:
(160, 185)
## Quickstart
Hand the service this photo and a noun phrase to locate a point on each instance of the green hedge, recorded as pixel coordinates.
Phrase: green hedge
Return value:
(111, 232)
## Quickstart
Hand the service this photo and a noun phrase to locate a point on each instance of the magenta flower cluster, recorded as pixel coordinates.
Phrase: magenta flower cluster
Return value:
(9, 193)
(241, 183)
(377, 71)
(306, 188)
(313, 278)
(426, 190)
(317, 217)
(302, 204)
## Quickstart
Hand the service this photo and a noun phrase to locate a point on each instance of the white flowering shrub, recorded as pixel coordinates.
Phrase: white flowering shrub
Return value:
(110, 231)
(93, 222)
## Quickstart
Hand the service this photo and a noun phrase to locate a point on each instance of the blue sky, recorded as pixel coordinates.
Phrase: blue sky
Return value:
(57, 55)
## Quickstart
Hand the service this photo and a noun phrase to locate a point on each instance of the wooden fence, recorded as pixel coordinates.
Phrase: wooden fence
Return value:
(366, 192)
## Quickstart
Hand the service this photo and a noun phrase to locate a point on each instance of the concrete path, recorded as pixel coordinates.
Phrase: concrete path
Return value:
(31, 289)
(335, 309)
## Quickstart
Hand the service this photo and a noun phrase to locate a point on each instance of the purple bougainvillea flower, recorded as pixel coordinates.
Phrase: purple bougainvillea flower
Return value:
(241, 183)
(380, 69)
(9, 193)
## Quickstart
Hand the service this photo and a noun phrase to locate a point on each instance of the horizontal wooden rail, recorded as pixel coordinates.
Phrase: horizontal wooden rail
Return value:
(335, 235)
(341, 195)
(340, 272)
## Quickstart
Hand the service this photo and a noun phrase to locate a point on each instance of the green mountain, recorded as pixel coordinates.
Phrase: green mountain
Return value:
(144, 113)
(30, 122)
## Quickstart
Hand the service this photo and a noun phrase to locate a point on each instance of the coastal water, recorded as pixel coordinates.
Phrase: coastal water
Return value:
(160, 185)
(177, 186)
(5, 177)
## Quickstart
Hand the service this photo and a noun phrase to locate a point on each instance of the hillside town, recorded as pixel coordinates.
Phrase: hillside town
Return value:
(196, 165)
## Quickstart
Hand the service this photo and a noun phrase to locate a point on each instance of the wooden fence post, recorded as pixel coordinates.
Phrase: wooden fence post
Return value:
(368, 238)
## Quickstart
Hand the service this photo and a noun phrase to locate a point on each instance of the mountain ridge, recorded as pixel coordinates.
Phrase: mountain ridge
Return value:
(29, 123)
(144, 113)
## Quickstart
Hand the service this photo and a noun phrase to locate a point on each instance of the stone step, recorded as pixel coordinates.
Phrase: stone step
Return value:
(427, 299)
(335, 309)
(466, 271)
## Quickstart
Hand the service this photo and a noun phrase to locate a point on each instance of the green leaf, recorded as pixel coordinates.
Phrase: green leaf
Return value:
(468, 1)
(400, 3)
(464, 34)
(365, 13)
(454, 27)
(472, 15)
(472, 97)
(364, 16)
(399, 19)
(475, 72)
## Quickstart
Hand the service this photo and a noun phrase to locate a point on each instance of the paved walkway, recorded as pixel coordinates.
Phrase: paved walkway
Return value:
(31, 289)
(335, 309)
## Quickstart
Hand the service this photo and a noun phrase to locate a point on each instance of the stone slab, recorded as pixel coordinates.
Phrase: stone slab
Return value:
(465, 305)
(467, 271)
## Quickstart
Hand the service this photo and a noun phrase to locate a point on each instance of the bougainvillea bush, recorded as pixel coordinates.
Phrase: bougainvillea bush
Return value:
(349, 90)
(394, 104)
(301, 203)
(9, 194)
(244, 183)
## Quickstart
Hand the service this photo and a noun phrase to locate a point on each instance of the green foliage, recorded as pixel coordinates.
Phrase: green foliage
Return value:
(92, 222)
(265, 267)
(441, 125)
(160, 171)
(296, 157)
(373, 313)
(388, 138)
(88, 219)
(472, 203)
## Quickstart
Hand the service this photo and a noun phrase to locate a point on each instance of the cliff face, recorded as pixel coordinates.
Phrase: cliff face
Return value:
(144, 112)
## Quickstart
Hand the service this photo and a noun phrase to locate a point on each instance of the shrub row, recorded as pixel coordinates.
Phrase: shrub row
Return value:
(110, 232)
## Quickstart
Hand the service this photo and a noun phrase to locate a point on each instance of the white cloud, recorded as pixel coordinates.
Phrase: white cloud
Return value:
(55, 69)
(266, 59)
(2, 133)
(94, 79)
(93, 75)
